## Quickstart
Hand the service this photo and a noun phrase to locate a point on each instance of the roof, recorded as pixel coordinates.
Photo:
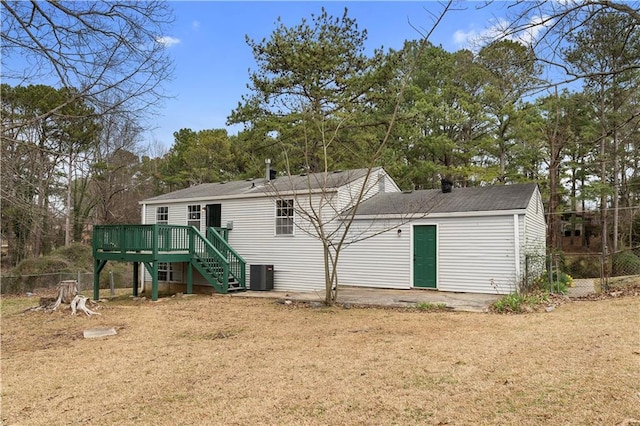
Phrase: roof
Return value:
(473, 199)
(257, 187)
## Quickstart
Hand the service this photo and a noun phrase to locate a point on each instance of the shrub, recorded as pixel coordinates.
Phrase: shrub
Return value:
(517, 303)
(626, 263)
(559, 282)
(584, 266)
(80, 254)
(42, 265)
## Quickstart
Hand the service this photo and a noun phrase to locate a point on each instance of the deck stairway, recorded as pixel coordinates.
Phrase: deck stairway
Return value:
(211, 255)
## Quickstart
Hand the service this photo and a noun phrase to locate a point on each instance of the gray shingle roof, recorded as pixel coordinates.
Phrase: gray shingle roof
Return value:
(485, 198)
(257, 186)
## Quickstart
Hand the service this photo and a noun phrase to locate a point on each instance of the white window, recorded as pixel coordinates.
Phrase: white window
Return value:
(284, 217)
(165, 271)
(193, 217)
(162, 215)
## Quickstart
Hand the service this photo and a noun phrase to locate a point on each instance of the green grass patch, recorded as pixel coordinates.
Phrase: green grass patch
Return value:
(519, 303)
(428, 306)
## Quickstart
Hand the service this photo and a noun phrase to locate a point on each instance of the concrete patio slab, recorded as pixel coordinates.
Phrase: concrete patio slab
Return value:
(363, 296)
(93, 333)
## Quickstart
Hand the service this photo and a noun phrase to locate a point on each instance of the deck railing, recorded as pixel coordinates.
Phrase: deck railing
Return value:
(218, 257)
(136, 238)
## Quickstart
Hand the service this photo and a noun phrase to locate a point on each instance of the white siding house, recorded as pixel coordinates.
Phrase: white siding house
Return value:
(482, 238)
(469, 240)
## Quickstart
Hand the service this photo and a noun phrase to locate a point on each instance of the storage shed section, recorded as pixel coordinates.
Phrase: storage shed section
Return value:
(477, 255)
(484, 238)
(382, 260)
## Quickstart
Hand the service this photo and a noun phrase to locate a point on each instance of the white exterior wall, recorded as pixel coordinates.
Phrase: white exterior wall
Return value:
(535, 237)
(297, 259)
(477, 254)
(535, 226)
(178, 213)
(474, 254)
(381, 261)
(379, 181)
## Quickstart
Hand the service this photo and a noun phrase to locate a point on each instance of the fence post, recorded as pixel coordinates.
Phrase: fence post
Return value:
(557, 276)
(79, 286)
(550, 270)
(112, 285)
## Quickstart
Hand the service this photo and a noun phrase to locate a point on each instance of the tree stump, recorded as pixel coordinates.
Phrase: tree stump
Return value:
(80, 303)
(67, 291)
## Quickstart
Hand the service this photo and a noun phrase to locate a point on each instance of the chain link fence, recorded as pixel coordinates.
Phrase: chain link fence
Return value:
(34, 283)
(557, 272)
(598, 272)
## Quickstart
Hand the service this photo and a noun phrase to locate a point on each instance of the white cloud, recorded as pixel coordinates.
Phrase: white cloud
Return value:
(195, 25)
(168, 41)
(461, 38)
(499, 29)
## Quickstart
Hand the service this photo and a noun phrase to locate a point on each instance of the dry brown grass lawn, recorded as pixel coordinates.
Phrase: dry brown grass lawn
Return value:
(233, 360)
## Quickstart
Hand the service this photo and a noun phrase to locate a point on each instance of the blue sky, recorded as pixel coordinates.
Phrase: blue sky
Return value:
(212, 59)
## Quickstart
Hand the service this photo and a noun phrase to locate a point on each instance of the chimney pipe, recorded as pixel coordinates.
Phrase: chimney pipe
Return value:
(267, 164)
(446, 185)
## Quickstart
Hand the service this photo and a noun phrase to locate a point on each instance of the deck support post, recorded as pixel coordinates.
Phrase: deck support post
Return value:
(136, 278)
(98, 265)
(189, 278)
(154, 280)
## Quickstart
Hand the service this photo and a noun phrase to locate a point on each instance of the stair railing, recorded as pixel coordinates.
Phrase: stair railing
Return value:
(237, 264)
(213, 262)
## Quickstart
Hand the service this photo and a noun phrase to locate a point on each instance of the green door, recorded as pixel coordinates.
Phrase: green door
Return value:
(424, 256)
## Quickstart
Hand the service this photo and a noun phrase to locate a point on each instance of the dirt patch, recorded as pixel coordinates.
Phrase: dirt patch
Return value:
(225, 360)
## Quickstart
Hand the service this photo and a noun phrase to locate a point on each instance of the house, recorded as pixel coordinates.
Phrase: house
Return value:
(463, 240)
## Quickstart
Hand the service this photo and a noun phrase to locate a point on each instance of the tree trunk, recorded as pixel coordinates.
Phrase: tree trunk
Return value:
(67, 290)
(67, 219)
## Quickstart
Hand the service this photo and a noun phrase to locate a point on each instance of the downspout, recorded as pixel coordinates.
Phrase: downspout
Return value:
(141, 269)
(516, 241)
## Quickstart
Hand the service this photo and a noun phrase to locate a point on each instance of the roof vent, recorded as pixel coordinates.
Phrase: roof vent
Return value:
(447, 185)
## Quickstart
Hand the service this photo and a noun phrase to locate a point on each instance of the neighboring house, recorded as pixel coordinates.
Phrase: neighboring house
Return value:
(580, 232)
(467, 240)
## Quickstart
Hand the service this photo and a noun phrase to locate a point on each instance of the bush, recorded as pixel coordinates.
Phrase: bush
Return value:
(80, 254)
(63, 263)
(584, 266)
(42, 265)
(518, 303)
(626, 263)
(559, 282)
(75, 257)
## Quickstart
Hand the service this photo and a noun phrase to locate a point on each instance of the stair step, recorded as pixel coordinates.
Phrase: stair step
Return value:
(235, 286)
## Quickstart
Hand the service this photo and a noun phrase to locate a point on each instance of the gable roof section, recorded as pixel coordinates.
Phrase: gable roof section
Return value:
(474, 199)
(258, 187)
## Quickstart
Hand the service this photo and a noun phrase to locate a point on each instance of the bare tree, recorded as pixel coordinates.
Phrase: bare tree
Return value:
(549, 24)
(93, 47)
(109, 57)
